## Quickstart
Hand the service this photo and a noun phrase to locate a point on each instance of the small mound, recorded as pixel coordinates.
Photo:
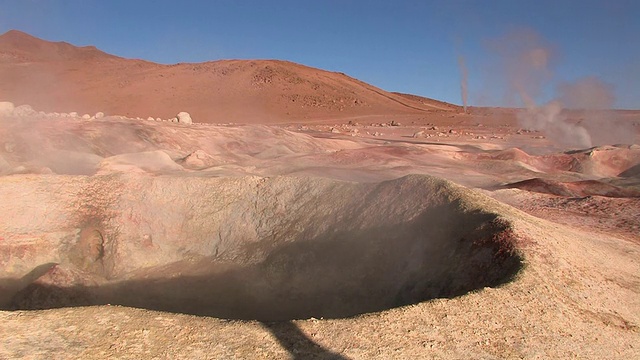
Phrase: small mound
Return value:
(573, 189)
(511, 154)
(605, 161)
(514, 156)
(147, 161)
(199, 160)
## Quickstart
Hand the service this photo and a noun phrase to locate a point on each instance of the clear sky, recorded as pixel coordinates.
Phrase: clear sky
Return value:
(406, 46)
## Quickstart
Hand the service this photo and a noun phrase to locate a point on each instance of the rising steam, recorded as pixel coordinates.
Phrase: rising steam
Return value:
(527, 62)
(463, 82)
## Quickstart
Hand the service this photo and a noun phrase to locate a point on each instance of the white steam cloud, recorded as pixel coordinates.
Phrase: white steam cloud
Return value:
(526, 60)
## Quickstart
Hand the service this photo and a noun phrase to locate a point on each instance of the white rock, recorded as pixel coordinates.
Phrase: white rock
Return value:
(184, 118)
(150, 118)
(86, 116)
(99, 115)
(6, 108)
(73, 114)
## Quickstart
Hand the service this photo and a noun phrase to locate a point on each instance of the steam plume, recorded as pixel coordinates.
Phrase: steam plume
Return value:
(463, 82)
(594, 100)
(526, 60)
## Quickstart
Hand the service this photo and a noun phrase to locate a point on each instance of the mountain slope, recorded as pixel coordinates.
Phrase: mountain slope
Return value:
(57, 76)
(16, 46)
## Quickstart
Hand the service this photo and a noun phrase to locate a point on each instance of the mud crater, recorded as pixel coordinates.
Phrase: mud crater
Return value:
(442, 251)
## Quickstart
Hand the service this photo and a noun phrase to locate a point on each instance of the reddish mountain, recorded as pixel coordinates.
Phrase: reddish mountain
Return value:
(57, 76)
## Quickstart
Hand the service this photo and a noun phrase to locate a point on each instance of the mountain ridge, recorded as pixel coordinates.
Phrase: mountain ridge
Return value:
(58, 76)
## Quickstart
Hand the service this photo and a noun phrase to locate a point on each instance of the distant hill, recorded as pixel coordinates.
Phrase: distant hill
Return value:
(57, 76)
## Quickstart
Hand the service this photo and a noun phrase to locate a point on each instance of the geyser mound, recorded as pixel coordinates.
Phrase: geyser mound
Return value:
(250, 248)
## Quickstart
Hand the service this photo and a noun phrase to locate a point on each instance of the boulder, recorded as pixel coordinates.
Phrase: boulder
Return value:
(184, 118)
(6, 108)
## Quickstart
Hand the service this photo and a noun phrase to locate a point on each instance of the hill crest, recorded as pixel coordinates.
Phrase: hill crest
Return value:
(19, 46)
(57, 76)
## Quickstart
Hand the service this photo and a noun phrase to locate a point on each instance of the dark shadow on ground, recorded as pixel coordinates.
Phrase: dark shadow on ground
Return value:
(297, 343)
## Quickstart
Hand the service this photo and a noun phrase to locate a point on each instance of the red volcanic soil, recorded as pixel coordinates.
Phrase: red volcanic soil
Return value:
(59, 77)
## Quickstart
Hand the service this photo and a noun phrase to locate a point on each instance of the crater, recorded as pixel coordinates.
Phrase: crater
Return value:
(287, 248)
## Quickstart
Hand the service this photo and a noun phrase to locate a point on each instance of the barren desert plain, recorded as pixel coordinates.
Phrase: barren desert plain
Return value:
(300, 213)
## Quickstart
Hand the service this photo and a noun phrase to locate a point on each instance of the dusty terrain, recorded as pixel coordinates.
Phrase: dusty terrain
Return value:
(388, 229)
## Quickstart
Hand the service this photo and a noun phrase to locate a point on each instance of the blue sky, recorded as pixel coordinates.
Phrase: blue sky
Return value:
(406, 46)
